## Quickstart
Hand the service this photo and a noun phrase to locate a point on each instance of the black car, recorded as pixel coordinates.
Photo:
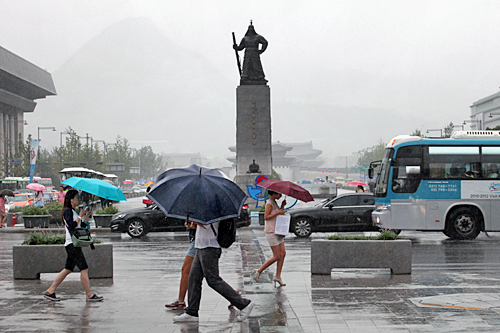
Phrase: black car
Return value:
(346, 212)
(138, 222)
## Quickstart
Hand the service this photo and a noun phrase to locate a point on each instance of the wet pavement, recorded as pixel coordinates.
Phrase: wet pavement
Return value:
(454, 287)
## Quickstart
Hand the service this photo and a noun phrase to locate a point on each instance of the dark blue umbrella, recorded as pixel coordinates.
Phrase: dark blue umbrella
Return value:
(205, 195)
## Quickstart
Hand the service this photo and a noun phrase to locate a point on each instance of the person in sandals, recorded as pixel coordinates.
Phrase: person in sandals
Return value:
(75, 256)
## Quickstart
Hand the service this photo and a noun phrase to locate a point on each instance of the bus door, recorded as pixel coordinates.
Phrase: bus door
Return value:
(406, 208)
(490, 164)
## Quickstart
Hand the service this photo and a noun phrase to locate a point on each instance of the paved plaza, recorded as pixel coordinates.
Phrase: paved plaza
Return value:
(443, 293)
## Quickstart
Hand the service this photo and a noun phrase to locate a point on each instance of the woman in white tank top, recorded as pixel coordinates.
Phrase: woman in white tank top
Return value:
(277, 242)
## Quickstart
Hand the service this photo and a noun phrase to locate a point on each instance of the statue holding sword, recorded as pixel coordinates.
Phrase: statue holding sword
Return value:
(252, 71)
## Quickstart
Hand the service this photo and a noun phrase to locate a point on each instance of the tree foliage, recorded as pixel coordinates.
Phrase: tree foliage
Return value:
(370, 155)
(81, 151)
(448, 130)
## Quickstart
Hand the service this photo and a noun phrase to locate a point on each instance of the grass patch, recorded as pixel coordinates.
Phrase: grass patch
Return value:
(48, 238)
(384, 235)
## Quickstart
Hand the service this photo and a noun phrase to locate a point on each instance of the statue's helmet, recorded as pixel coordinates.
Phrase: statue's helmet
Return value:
(251, 30)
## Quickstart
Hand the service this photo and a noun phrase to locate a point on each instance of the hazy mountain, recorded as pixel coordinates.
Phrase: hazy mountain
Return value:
(132, 81)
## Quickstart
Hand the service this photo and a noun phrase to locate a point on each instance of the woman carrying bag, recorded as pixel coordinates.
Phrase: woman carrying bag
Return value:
(75, 255)
(276, 242)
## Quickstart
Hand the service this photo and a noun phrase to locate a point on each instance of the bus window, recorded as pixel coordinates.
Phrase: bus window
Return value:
(456, 162)
(490, 162)
(406, 174)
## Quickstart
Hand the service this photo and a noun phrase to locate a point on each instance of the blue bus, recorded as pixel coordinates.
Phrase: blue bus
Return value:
(433, 184)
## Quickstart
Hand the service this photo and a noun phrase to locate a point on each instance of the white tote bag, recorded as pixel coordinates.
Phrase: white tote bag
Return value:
(282, 225)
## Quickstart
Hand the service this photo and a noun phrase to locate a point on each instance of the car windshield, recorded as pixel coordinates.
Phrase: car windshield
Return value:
(20, 198)
(323, 202)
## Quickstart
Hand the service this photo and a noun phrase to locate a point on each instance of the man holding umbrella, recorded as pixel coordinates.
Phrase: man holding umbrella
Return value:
(206, 197)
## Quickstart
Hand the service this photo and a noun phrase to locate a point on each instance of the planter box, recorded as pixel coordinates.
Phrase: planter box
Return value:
(55, 217)
(31, 260)
(36, 221)
(261, 218)
(329, 254)
(103, 220)
(322, 190)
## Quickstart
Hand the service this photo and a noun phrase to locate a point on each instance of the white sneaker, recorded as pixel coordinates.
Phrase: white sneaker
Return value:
(245, 312)
(185, 318)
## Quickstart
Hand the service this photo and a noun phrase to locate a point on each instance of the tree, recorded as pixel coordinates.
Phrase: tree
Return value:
(448, 130)
(417, 132)
(120, 152)
(148, 162)
(374, 154)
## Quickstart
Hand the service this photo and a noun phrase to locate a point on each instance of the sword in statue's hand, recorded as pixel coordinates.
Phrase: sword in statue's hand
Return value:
(237, 56)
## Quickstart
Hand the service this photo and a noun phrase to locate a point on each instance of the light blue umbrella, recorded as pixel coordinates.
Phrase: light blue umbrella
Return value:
(96, 187)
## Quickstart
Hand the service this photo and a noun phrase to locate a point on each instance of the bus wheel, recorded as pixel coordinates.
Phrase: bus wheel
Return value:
(394, 231)
(463, 223)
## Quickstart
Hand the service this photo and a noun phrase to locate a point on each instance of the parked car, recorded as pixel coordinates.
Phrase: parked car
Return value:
(22, 199)
(138, 222)
(346, 212)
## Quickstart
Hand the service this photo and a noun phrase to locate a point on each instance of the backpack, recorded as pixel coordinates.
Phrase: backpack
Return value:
(227, 232)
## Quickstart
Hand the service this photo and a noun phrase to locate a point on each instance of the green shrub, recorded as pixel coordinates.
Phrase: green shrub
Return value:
(107, 210)
(384, 235)
(54, 206)
(16, 210)
(48, 238)
(41, 238)
(33, 210)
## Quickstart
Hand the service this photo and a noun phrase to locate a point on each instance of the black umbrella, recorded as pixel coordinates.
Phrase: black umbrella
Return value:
(7, 192)
(205, 195)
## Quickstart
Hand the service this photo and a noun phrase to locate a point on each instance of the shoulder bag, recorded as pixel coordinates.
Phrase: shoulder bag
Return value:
(80, 236)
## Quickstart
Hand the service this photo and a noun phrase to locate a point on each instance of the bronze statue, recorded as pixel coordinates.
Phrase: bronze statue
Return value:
(252, 72)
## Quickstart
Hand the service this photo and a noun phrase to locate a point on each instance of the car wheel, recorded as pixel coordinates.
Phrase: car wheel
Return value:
(463, 223)
(302, 227)
(136, 228)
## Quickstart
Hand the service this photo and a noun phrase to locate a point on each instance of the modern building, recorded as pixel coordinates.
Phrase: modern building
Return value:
(21, 83)
(485, 113)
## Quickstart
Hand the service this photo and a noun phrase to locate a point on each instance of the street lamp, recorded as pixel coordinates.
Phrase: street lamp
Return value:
(39, 128)
(438, 129)
(346, 166)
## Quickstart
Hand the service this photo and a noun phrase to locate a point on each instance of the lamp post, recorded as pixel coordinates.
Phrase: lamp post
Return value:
(92, 145)
(39, 128)
(60, 149)
(38, 138)
(437, 129)
(346, 166)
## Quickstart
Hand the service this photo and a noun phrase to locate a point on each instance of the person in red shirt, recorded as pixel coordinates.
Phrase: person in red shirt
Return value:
(3, 214)
(61, 195)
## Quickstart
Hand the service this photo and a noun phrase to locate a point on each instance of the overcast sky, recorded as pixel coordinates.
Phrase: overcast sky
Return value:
(425, 60)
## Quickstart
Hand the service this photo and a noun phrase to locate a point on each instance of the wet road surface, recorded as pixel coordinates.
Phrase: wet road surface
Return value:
(454, 287)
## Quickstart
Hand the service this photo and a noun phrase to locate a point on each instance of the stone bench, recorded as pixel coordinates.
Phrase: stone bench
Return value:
(329, 254)
(31, 260)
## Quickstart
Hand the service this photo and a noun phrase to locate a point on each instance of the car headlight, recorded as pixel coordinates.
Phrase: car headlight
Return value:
(119, 216)
(382, 208)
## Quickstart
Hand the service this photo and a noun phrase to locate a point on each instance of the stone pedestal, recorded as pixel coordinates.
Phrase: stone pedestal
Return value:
(253, 128)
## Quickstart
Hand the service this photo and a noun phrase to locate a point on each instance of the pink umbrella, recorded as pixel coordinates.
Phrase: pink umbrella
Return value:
(355, 183)
(287, 188)
(35, 187)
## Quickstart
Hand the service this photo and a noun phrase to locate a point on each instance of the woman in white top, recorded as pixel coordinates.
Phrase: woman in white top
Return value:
(75, 256)
(277, 242)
